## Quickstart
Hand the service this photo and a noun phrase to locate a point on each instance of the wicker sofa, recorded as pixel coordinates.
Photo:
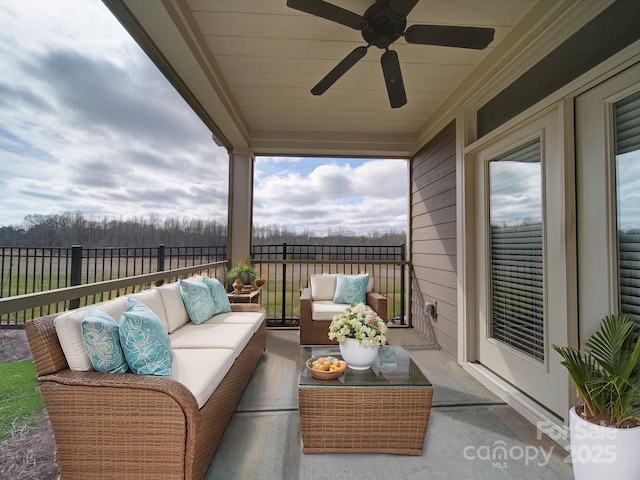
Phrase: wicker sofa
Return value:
(317, 307)
(131, 426)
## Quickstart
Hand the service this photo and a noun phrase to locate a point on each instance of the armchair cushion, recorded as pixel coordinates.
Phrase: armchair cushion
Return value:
(323, 287)
(351, 288)
(325, 310)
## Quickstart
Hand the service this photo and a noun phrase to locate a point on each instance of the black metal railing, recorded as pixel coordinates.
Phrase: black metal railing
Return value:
(25, 270)
(287, 268)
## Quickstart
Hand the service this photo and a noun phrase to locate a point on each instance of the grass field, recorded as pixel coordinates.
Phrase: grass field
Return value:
(19, 396)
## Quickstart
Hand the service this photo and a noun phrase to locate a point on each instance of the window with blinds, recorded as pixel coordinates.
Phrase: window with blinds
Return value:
(627, 141)
(516, 248)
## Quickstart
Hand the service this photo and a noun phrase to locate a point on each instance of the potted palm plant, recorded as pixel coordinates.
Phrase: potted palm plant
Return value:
(605, 426)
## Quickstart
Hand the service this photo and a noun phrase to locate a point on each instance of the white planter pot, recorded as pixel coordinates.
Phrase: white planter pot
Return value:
(357, 356)
(599, 452)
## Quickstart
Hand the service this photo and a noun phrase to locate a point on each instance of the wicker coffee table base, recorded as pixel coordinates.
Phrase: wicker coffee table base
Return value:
(391, 419)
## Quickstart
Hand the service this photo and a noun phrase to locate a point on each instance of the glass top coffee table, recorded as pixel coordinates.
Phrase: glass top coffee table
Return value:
(384, 409)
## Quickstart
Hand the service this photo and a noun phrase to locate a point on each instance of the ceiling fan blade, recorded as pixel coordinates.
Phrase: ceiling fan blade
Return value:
(402, 7)
(393, 78)
(477, 38)
(329, 11)
(349, 61)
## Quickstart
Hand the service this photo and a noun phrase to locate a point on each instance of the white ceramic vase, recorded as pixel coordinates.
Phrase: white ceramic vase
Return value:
(599, 452)
(357, 356)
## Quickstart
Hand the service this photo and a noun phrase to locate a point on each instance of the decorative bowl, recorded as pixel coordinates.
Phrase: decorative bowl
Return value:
(325, 374)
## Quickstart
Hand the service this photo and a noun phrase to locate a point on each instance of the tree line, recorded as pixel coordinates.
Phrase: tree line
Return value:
(66, 229)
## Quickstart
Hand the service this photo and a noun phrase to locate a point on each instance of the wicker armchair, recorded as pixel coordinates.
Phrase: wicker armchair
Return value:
(315, 332)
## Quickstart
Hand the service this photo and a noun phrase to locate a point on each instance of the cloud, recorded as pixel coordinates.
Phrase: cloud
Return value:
(89, 124)
(333, 195)
(516, 191)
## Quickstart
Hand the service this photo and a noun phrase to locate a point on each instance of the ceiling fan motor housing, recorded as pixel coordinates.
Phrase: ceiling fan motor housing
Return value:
(382, 27)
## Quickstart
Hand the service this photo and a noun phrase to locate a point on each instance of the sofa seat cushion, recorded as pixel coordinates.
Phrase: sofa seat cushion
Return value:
(254, 319)
(325, 310)
(201, 369)
(213, 335)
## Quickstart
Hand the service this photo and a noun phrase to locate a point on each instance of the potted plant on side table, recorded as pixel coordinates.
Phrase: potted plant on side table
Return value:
(243, 272)
(605, 426)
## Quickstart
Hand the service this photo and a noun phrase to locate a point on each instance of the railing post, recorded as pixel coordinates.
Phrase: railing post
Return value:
(161, 257)
(76, 272)
(402, 285)
(284, 284)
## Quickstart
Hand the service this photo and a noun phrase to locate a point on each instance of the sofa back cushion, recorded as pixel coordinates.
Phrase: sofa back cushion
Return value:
(152, 299)
(174, 306)
(69, 331)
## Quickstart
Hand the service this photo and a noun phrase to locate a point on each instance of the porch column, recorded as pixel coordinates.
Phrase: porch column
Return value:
(240, 205)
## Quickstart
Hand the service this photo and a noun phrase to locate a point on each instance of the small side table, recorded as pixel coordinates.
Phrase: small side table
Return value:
(249, 296)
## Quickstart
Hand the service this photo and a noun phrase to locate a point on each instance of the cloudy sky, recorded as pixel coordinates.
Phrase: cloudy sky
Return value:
(87, 123)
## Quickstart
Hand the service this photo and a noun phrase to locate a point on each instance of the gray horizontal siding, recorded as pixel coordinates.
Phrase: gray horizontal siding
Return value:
(433, 239)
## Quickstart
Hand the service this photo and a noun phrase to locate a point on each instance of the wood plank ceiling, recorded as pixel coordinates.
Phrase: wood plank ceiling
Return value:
(262, 58)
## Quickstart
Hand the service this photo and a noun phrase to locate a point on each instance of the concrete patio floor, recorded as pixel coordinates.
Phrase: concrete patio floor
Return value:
(471, 434)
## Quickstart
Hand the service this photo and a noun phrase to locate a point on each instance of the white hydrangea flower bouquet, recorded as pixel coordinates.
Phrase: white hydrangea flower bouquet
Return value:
(360, 323)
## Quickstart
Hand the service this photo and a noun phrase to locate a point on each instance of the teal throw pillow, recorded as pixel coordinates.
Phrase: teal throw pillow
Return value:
(197, 300)
(219, 294)
(351, 288)
(144, 340)
(102, 342)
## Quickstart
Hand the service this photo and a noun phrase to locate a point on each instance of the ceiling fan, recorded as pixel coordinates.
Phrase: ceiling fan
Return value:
(382, 24)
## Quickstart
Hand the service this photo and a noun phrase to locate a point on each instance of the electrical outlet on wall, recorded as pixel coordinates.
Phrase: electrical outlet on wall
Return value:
(430, 308)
